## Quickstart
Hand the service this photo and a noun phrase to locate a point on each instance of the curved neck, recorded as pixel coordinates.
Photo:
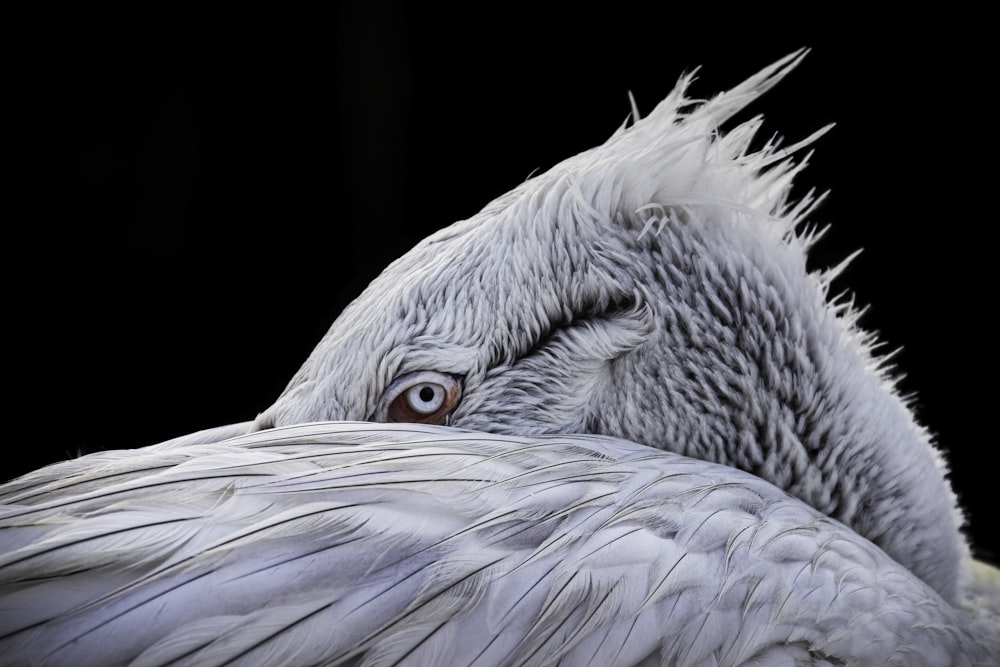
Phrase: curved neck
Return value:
(750, 367)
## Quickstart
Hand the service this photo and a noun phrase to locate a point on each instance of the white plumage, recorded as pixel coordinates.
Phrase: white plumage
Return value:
(653, 288)
(321, 543)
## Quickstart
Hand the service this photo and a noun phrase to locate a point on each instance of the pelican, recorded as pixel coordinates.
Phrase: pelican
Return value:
(610, 420)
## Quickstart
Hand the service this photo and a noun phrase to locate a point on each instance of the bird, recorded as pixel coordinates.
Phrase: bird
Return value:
(611, 419)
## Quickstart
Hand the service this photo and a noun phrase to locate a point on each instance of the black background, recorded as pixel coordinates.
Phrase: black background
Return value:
(206, 193)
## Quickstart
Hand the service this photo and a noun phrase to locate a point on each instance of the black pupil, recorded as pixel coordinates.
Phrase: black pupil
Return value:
(426, 394)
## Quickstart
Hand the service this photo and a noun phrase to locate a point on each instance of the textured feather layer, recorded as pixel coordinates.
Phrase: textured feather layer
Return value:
(343, 543)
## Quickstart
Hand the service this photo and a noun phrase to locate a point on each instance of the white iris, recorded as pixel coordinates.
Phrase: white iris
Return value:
(425, 398)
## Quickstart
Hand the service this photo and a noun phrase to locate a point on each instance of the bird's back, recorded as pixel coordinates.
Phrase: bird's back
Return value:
(346, 543)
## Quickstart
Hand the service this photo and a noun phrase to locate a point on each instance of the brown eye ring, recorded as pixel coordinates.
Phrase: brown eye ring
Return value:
(423, 397)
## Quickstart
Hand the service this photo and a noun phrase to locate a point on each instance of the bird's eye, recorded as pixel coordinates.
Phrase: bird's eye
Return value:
(424, 397)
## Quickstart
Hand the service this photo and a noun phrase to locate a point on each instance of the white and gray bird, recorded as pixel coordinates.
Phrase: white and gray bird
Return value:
(621, 424)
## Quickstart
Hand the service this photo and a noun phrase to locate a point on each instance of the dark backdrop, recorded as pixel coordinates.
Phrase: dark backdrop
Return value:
(209, 192)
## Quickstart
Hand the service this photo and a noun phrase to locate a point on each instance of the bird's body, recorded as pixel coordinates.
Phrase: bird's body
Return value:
(323, 543)
(655, 289)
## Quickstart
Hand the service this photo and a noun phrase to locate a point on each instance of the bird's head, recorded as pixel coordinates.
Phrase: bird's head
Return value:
(654, 288)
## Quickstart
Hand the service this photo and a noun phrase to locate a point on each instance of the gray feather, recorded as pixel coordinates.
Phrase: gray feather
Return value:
(425, 545)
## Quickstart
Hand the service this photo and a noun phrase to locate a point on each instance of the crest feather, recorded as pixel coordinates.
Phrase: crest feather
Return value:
(677, 159)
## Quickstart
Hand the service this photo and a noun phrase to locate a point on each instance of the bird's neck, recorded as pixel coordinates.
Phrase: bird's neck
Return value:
(752, 368)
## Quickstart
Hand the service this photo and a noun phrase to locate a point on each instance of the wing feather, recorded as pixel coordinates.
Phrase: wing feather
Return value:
(343, 543)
